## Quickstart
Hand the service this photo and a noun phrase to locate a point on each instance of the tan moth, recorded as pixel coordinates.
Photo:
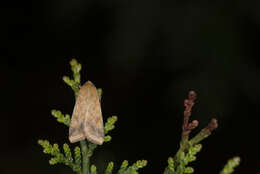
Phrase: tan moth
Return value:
(86, 120)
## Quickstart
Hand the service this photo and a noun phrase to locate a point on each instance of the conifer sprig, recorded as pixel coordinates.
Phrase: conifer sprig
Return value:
(75, 82)
(79, 160)
(59, 157)
(133, 169)
(80, 163)
(65, 119)
(190, 147)
(231, 164)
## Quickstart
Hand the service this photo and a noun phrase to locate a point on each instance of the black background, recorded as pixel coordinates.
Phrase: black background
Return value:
(146, 56)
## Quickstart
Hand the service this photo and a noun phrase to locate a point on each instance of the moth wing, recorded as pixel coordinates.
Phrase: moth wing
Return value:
(76, 130)
(94, 128)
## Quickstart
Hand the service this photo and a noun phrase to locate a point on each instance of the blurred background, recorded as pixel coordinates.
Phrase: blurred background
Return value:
(146, 56)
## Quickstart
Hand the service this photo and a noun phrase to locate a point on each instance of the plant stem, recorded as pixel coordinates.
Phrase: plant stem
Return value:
(204, 133)
(85, 158)
(83, 144)
(184, 142)
(182, 148)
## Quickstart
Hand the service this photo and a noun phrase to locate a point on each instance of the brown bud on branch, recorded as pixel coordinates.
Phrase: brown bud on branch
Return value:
(189, 103)
(213, 124)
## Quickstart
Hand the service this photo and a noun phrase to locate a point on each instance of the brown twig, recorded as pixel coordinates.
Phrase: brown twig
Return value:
(205, 132)
(189, 103)
(187, 127)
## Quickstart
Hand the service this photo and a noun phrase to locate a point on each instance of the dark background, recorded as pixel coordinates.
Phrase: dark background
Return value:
(145, 55)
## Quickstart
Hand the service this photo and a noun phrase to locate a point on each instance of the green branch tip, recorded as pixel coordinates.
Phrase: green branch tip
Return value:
(75, 86)
(46, 146)
(109, 125)
(68, 81)
(171, 164)
(124, 164)
(141, 163)
(123, 167)
(93, 169)
(134, 168)
(191, 154)
(100, 92)
(67, 153)
(75, 67)
(77, 157)
(75, 82)
(58, 157)
(193, 150)
(65, 119)
(107, 138)
(109, 168)
(188, 170)
(204, 133)
(231, 164)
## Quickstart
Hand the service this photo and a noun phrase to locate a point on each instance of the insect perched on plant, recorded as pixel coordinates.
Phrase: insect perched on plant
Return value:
(87, 121)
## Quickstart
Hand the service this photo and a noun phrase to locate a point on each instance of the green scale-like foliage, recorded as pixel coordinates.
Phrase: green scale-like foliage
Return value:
(83, 153)
(79, 161)
(59, 157)
(231, 164)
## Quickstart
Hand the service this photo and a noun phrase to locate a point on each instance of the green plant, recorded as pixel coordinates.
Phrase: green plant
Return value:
(79, 160)
(190, 147)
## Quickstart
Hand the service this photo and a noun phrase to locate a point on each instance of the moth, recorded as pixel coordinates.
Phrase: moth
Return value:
(86, 121)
